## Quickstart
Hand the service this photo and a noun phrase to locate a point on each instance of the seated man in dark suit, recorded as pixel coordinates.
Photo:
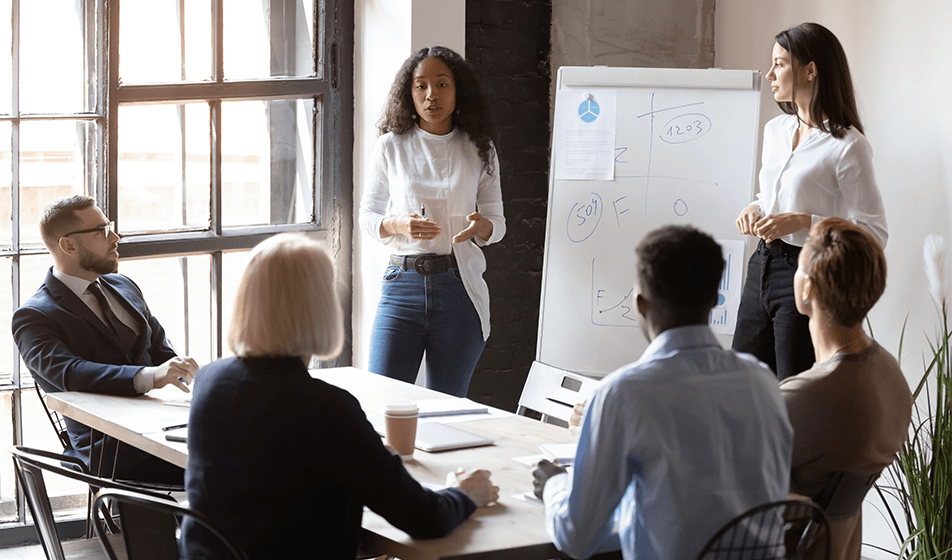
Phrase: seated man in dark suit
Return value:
(89, 329)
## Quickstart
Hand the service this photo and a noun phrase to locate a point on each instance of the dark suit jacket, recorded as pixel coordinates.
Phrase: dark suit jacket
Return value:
(68, 348)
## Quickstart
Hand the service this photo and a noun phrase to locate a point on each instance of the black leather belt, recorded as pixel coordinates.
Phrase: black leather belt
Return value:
(780, 247)
(425, 264)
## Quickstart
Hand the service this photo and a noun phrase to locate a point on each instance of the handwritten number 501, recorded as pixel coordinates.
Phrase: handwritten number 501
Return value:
(587, 211)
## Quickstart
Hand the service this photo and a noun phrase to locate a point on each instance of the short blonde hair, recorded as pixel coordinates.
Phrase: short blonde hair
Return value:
(287, 303)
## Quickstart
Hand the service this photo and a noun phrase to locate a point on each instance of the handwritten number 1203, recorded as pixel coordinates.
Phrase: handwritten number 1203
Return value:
(685, 128)
(693, 127)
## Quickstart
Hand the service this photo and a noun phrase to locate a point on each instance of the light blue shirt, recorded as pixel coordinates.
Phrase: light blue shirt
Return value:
(672, 447)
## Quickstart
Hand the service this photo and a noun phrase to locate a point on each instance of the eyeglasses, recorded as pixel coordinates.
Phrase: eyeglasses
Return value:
(105, 229)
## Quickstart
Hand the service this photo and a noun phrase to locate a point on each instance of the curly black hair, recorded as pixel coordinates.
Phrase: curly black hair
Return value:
(472, 111)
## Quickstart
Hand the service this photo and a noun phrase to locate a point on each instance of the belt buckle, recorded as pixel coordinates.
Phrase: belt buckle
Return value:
(423, 265)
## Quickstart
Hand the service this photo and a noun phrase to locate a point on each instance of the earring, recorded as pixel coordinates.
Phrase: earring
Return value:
(414, 116)
(457, 111)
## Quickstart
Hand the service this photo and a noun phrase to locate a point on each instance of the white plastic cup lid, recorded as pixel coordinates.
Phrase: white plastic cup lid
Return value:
(401, 408)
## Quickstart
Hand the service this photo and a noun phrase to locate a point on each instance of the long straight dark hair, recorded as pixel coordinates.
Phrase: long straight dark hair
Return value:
(472, 109)
(833, 88)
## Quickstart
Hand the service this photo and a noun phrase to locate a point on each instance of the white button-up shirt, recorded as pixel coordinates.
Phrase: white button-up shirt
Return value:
(443, 174)
(824, 176)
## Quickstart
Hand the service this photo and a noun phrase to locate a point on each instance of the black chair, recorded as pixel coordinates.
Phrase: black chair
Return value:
(786, 530)
(150, 526)
(59, 426)
(843, 496)
(56, 419)
(29, 465)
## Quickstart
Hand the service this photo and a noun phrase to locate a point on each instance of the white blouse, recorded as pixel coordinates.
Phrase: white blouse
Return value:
(444, 175)
(824, 176)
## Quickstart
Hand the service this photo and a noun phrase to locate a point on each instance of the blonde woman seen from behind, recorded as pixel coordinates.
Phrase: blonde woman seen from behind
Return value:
(264, 436)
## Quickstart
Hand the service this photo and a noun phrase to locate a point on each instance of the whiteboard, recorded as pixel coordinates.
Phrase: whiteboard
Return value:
(685, 153)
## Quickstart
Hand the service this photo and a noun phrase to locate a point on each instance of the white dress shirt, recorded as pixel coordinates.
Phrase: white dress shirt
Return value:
(824, 176)
(144, 380)
(442, 175)
(671, 448)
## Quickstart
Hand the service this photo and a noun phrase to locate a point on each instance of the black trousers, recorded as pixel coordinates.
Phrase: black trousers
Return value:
(768, 323)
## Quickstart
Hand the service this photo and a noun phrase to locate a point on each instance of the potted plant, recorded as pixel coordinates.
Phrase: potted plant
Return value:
(921, 475)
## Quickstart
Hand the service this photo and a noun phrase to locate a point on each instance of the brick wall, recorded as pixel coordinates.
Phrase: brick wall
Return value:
(508, 42)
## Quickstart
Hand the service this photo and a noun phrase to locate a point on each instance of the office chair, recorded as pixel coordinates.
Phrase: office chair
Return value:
(843, 496)
(785, 530)
(56, 419)
(59, 426)
(552, 393)
(150, 526)
(29, 465)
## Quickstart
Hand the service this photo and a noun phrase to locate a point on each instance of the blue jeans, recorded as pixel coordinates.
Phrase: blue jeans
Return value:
(431, 314)
(768, 323)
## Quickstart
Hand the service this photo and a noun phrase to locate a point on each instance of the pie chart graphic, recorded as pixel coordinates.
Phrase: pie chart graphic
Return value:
(588, 110)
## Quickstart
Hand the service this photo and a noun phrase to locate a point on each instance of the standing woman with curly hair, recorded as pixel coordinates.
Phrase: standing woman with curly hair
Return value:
(434, 198)
(816, 164)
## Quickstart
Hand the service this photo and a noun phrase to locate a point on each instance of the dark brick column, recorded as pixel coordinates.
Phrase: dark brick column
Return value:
(508, 42)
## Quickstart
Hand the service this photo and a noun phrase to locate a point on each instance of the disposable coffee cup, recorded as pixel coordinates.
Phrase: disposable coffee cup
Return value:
(400, 419)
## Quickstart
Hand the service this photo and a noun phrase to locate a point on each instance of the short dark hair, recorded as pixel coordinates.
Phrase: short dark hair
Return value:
(833, 97)
(472, 109)
(847, 268)
(60, 217)
(681, 267)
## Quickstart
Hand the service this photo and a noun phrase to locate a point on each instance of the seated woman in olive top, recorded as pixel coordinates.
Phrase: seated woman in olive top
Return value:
(283, 462)
(850, 411)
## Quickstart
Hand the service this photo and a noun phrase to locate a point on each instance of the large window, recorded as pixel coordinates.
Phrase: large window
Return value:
(200, 126)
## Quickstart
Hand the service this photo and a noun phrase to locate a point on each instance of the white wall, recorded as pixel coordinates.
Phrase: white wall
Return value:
(386, 32)
(898, 54)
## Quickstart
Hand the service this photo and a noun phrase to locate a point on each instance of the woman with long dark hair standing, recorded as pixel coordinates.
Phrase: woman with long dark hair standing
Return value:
(816, 164)
(434, 198)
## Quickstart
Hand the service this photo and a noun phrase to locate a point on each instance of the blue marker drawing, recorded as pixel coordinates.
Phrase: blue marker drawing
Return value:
(677, 124)
(608, 311)
(623, 150)
(680, 207)
(686, 127)
(618, 212)
(584, 218)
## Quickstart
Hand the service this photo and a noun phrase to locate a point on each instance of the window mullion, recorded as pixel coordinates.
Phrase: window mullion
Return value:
(110, 190)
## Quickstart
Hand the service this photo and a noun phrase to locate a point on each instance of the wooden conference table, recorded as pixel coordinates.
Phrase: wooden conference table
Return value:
(511, 529)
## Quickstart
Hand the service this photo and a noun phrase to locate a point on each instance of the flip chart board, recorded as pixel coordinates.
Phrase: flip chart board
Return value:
(685, 146)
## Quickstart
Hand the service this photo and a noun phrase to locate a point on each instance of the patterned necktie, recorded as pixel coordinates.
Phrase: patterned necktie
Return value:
(126, 336)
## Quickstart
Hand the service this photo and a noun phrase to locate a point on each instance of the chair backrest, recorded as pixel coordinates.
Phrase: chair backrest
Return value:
(149, 526)
(30, 464)
(56, 419)
(34, 487)
(553, 392)
(785, 530)
(843, 496)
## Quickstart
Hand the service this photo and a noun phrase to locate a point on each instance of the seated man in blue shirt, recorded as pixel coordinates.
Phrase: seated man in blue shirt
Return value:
(677, 444)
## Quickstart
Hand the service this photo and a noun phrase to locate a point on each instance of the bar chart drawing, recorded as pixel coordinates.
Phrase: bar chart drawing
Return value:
(723, 316)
